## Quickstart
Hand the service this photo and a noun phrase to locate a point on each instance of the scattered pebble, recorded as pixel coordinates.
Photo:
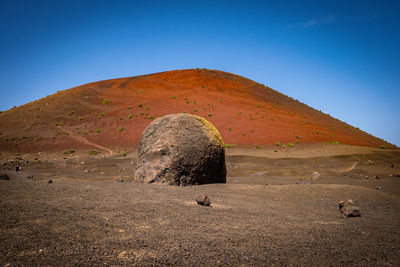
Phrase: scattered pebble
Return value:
(315, 176)
(378, 187)
(245, 258)
(120, 180)
(377, 177)
(50, 181)
(349, 209)
(203, 200)
(29, 177)
(86, 171)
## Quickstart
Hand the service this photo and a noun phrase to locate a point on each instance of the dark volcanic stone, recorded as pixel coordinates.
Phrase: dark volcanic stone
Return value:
(4, 177)
(181, 149)
(203, 200)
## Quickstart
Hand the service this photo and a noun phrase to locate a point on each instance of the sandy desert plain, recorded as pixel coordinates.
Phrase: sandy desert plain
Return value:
(85, 140)
(266, 214)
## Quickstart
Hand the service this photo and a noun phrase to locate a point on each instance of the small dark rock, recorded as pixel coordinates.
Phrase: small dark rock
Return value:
(50, 181)
(377, 177)
(203, 200)
(29, 177)
(120, 180)
(392, 166)
(397, 175)
(378, 187)
(4, 177)
(349, 209)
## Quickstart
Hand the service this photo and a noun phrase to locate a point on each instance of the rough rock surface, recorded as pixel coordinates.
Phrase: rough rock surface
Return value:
(349, 209)
(181, 149)
(203, 200)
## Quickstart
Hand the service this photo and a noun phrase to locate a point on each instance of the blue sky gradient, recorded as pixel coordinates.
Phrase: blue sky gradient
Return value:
(341, 57)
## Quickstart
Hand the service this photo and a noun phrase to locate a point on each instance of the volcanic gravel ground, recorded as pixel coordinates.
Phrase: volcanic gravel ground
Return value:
(275, 217)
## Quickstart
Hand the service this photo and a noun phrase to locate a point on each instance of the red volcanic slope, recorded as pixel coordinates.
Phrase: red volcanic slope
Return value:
(115, 113)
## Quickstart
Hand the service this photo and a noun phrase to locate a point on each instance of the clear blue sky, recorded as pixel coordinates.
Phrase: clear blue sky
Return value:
(341, 57)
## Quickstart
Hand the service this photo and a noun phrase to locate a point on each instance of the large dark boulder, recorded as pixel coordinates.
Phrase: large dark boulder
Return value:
(181, 149)
(4, 177)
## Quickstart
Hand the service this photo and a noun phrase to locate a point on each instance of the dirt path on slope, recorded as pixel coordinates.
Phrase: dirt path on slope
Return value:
(87, 142)
(301, 151)
(352, 167)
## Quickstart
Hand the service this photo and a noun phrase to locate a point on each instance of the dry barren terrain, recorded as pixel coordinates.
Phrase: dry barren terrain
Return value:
(266, 214)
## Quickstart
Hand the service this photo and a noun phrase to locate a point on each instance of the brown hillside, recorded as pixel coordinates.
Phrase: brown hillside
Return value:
(115, 112)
